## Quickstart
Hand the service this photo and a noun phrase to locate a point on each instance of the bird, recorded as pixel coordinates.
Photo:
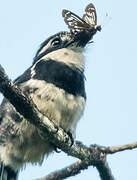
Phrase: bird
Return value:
(56, 84)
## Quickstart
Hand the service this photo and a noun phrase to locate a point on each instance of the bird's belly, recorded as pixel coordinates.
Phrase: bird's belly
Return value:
(63, 108)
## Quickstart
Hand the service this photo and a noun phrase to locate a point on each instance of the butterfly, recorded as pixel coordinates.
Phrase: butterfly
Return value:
(87, 22)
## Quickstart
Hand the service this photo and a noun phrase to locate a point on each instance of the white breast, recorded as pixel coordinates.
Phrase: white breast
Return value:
(59, 106)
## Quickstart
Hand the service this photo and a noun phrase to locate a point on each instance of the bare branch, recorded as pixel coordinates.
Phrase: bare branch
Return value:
(114, 149)
(71, 170)
(104, 171)
(95, 155)
(102, 167)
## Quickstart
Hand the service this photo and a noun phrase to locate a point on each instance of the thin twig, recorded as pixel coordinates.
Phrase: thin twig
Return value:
(114, 149)
(66, 172)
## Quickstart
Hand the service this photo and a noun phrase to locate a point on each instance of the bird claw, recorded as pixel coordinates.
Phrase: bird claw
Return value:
(57, 150)
(71, 137)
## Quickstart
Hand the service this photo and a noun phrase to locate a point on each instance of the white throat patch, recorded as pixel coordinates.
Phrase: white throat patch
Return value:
(71, 57)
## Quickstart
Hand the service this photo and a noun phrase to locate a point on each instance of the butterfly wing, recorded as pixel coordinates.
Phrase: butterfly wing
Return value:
(90, 16)
(74, 22)
(87, 22)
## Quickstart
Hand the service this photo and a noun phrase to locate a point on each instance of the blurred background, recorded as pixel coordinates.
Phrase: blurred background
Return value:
(110, 117)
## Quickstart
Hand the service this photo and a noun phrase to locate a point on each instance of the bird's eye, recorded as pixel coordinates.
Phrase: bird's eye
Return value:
(56, 42)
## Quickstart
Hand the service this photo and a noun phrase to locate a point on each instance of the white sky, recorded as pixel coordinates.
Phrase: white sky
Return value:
(110, 117)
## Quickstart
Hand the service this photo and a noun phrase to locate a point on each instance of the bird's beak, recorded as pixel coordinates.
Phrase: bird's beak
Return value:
(83, 37)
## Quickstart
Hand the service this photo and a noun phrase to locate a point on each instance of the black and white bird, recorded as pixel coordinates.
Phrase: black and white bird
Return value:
(55, 83)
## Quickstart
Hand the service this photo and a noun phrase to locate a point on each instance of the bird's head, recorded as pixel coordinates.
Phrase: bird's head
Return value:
(63, 41)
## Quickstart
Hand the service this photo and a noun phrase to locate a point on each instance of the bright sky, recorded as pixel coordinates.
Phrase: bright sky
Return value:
(111, 70)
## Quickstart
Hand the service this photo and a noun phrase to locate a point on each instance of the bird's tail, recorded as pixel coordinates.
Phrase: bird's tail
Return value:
(6, 173)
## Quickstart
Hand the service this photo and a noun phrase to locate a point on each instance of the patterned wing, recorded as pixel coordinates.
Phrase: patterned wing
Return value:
(90, 16)
(87, 22)
(74, 22)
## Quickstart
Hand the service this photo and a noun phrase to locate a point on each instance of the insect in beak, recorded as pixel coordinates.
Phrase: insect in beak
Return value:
(87, 23)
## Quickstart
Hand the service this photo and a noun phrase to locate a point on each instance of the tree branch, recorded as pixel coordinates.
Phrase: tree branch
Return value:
(104, 171)
(71, 170)
(102, 167)
(114, 149)
(99, 161)
(94, 155)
